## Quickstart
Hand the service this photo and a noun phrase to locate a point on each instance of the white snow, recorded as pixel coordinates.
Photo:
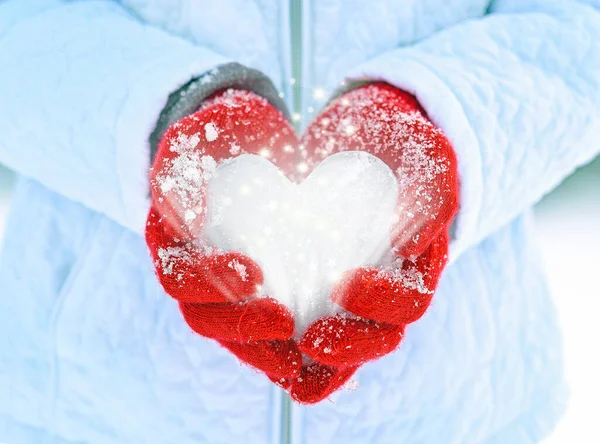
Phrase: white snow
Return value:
(304, 236)
(352, 385)
(239, 268)
(189, 215)
(166, 256)
(408, 277)
(185, 175)
(211, 131)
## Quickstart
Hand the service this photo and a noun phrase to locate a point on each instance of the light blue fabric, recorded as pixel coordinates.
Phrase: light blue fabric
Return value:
(82, 87)
(91, 350)
(517, 94)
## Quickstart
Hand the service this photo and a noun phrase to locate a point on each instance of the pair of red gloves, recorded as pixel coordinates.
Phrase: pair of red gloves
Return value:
(217, 291)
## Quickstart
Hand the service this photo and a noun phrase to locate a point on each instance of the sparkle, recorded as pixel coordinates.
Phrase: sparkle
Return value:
(296, 117)
(265, 152)
(349, 129)
(319, 93)
(302, 167)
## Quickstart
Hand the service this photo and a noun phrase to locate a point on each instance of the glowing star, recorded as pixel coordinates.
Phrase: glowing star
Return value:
(349, 129)
(318, 93)
(265, 152)
(302, 167)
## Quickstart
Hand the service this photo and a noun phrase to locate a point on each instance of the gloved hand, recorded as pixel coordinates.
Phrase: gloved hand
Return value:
(216, 290)
(379, 302)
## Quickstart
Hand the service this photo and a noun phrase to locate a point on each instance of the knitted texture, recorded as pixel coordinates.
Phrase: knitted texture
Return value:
(391, 125)
(379, 302)
(217, 290)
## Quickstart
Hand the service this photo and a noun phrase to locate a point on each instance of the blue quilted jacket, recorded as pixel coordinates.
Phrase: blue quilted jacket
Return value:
(93, 351)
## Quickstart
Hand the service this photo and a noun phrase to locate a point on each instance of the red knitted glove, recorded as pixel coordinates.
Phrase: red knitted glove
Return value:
(389, 124)
(216, 291)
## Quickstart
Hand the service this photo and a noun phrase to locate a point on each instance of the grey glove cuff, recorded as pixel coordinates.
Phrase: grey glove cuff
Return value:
(188, 99)
(349, 86)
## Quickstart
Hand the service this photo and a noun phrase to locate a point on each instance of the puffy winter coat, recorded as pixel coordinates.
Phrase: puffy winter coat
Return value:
(92, 350)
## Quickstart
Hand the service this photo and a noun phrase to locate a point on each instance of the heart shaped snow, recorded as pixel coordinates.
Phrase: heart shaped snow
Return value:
(304, 236)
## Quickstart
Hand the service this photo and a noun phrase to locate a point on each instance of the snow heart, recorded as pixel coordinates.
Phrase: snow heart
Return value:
(305, 280)
(304, 236)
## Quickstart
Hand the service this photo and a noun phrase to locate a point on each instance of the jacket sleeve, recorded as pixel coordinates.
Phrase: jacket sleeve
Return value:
(517, 92)
(82, 86)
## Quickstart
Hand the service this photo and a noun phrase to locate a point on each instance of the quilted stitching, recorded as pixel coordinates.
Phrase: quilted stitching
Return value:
(491, 332)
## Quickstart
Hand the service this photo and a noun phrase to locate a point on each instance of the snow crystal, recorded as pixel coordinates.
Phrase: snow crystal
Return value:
(211, 132)
(184, 176)
(239, 268)
(189, 215)
(169, 256)
(351, 385)
(209, 77)
(409, 277)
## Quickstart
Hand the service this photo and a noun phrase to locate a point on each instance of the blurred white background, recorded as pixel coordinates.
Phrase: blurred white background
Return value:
(569, 233)
(569, 228)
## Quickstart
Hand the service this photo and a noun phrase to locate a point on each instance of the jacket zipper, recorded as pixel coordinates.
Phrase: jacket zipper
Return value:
(296, 61)
(295, 18)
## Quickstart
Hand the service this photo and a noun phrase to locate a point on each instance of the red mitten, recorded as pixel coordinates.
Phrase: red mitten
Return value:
(229, 124)
(217, 291)
(379, 302)
(390, 124)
